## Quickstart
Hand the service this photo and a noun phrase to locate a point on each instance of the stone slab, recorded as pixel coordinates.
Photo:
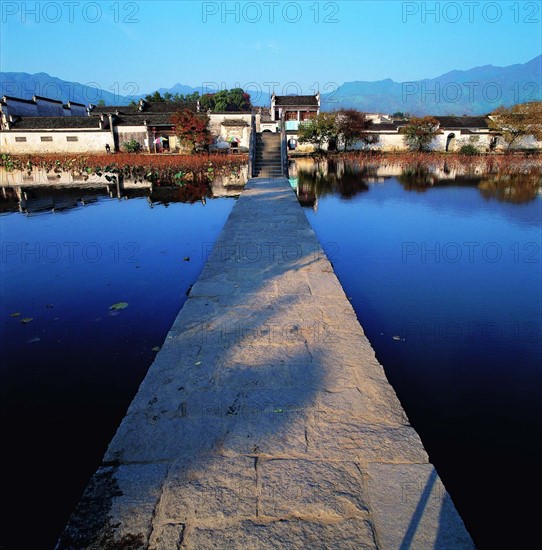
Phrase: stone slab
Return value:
(412, 509)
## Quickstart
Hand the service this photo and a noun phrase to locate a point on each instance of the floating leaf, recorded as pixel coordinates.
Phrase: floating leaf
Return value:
(34, 340)
(119, 305)
(27, 320)
(16, 314)
(397, 338)
(156, 348)
(187, 258)
(198, 363)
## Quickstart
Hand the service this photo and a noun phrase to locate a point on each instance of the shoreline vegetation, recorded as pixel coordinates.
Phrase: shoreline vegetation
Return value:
(159, 169)
(179, 170)
(483, 163)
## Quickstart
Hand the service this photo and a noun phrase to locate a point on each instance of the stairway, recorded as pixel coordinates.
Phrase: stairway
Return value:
(268, 161)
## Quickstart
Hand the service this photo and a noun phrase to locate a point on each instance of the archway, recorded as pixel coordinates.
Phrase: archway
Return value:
(449, 139)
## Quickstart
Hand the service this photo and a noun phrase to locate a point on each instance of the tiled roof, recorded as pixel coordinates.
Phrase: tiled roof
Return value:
(98, 110)
(296, 100)
(159, 107)
(383, 127)
(47, 99)
(150, 119)
(54, 123)
(12, 98)
(462, 121)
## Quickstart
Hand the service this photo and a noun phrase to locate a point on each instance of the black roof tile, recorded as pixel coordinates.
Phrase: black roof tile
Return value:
(462, 121)
(54, 123)
(296, 100)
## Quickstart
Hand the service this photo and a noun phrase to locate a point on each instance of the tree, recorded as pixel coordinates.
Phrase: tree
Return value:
(192, 129)
(353, 126)
(226, 100)
(419, 132)
(319, 129)
(517, 122)
(154, 98)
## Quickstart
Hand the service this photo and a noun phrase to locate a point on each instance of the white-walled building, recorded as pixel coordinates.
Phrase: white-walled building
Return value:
(42, 125)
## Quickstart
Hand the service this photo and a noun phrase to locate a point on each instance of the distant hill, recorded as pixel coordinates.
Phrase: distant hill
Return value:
(26, 85)
(175, 89)
(476, 91)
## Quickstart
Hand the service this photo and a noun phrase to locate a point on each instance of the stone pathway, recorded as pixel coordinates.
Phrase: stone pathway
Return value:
(266, 420)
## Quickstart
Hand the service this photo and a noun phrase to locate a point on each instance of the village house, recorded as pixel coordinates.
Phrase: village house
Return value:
(43, 125)
(453, 133)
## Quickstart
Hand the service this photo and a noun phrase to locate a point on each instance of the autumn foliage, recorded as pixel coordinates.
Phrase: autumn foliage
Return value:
(192, 129)
(160, 169)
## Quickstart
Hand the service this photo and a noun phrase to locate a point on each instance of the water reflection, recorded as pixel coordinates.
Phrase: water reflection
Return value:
(314, 179)
(31, 195)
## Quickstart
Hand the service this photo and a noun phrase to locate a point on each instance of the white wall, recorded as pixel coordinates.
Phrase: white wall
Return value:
(92, 141)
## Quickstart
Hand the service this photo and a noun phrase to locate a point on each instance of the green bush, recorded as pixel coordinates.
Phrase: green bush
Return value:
(468, 150)
(132, 146)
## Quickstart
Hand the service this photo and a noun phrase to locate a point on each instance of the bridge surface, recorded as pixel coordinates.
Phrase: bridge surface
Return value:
(265, 420)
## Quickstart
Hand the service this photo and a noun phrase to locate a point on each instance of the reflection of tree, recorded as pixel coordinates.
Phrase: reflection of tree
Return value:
(338, 177)
(347, 179)
(416, 178)
(516, 188)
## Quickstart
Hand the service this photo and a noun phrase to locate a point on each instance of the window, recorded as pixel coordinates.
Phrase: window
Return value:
(46, 138)
(72, 138)
(20, 140)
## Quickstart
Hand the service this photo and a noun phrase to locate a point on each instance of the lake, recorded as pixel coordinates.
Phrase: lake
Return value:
(444, 273)
(442, 268)
(70, 362)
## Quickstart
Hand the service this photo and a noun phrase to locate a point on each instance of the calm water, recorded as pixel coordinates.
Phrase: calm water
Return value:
(68, 375)
(446, 281)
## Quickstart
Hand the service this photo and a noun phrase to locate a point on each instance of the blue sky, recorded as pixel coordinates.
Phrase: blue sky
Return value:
(125, 45)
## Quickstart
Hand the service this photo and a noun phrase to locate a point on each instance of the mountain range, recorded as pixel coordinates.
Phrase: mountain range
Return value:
(476, 91)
